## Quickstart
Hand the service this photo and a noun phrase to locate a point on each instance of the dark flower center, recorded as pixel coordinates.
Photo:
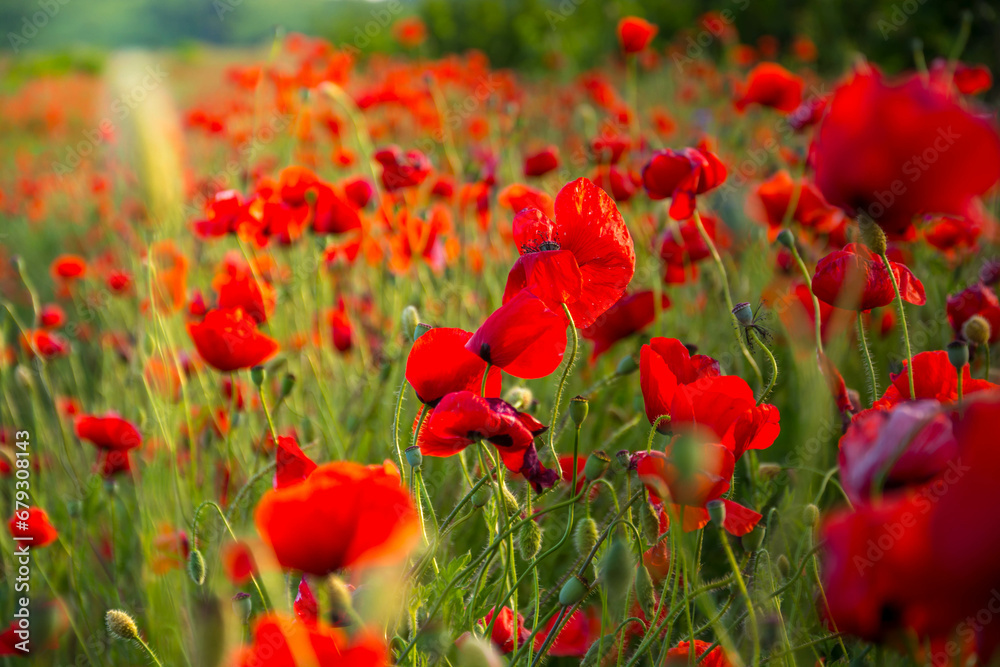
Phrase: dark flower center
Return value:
(542, 247)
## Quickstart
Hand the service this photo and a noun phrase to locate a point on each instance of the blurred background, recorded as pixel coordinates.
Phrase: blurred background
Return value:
(512, 33)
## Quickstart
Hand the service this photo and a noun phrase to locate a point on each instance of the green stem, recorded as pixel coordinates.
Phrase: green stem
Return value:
(751, 614)
(559, 391)
(902, 321)
(817, 313)
(872, 379)
(148, 650)
(653, 430)
(774, 367)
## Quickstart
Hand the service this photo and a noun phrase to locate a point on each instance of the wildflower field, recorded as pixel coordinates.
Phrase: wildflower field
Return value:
(318, 356)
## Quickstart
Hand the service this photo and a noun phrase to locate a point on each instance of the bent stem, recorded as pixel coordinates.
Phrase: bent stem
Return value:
(902, 320)
(872, 380)
(729, 297)
(816, 309)
(774, 367)
(559, 389)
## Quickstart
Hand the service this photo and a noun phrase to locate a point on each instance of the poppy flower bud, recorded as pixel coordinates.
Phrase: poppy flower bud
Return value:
(786, 238)
(766, 471)
(257, 374)
(744, 314)
(626, 366)
(599, 651)
(650, 521)
(958, 354)
(624, 458)
(511, 502)
(287, 384)
(717, 512)
(597, 464)
(574, 590)
(617, 569)
(977, 330)
(578, 409)
(242, 606)
(121, 625)
(784, 567)
(409, 321)
(585, 536)
(476, 652)
(644, 591)
(481, 496)
(810, 515)
(530, 541)
(753, 540)
(196, 566)
(872, 235)
(420, 330)
(520, 398)
(414, 457)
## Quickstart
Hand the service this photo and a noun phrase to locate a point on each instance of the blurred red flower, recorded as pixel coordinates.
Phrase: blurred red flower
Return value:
(855, 279)
(282, 641)
(770, 85)
(36, 528)
(681, 175)
(635, 34)
(228, 340)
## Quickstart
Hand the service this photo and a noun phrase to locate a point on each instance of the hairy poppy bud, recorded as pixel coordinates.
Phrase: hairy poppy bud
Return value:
(242, 606)
(574, 590)
(753, 540)
(257, 374)
(624, 458)
(810, 515)
(597, 464)
(616, 568)
(420, 330)
(744, 314)
(717, 511)
(626, 366)
(650, 521)
(196, 567)
(786, 238)
(520, 398)
(287, 384)
(977, 330)
(784, 567)
(510, 502)
(481, 496)
(872, 235)
(530, 541)
(121, 625)
(766, 471)
(414, 456)
(409, 321)
(644, 591)
(958, 354)
(578, 409)
(585, 536)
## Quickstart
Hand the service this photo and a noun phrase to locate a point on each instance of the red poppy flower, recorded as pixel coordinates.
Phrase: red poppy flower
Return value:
(542, 162)
(48, 344)
(35, 529)
(51, 316)
(808, 113)
(439, 364)
(757, 428)
(609, 148)
(893, 152)
(243, 290)
(573, 640)
(341, 330)
(227, 214)
(682, 248)
(680, 655)
(228, 340)
(523, 337)
(689, 389)
(237, 562)
(504, 629)
(855, 279)
(463, 418)
(811, 210)
(635, 34)
(909, 445)
(332, 214)
(113, 436)
(616, 181)
(342, 515)
(305, 606)
(950, 234)
(291, 463)
(518, 197)
(973, 79)
(935, 378)
(402, 170)
(282, 641)
(69, 267)
(631, 314)
(119, 281)
(681, 175)
(359, 191)
(410, 31)
(584, 258)
(692, 491)
(978, 299)
(770, 85)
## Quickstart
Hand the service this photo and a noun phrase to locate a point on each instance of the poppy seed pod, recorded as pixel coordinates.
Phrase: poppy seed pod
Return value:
(409, 320)
(121, 625)
(717, 511)
(414, 457)
(420, 330)
(958, 354)
(574, 590)
(786, 238)
(481, 496)
(257, 374)
(624, 458)
(242, 606)
(626, 366)
(579, 406)
(617, 569)
(287, 384)
(744, 314)
(597, 464)
(585, 536)
(196, 567)
(977, 330)
(753, 540)
(872, 235)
